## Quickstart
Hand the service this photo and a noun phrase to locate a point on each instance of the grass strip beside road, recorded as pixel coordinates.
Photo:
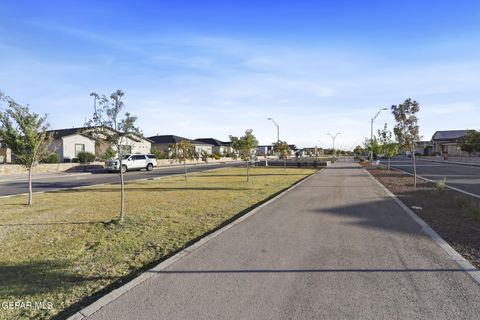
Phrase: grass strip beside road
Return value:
(65, 247)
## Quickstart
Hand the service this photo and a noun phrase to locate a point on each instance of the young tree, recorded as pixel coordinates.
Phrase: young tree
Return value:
(184, 151)
(282, 148)
(111, 125)
(388, 147)
(471, 143)
(372, 145)
(25, 133)
(406, 130)
(245, 147)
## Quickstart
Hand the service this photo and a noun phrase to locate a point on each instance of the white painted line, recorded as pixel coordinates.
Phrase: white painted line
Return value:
(115, 294)
(432, 181)
(454, 255)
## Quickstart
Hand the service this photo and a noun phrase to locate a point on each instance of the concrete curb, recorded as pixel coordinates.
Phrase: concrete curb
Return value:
(452, 254)
(115, 294)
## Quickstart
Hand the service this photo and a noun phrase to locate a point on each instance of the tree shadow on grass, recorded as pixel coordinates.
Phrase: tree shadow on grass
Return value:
(39, 277)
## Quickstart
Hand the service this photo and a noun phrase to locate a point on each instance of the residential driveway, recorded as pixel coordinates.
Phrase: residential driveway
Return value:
(463, 177)
(336, 247)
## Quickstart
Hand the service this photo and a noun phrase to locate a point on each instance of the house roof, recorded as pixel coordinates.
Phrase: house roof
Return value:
(60, 133)
(449, 135)
(213, 142)
(173, 139)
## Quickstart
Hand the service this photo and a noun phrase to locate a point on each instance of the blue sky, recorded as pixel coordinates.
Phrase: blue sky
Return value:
(215, 68)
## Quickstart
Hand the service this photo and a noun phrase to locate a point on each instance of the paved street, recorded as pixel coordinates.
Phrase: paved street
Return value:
(463, 177)
(336, 247)
(53, 182)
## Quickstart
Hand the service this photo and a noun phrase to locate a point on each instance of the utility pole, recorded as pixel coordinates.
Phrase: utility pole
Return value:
(371, 132)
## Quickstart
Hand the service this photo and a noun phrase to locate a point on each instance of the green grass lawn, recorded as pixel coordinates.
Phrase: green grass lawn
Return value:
(65, 247)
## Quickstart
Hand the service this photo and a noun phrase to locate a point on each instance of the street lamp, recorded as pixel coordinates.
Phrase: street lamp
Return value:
(333, 138)
(371, 133)
(278, 129)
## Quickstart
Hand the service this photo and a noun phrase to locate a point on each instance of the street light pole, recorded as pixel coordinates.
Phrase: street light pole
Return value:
(333, 138)
(371, 133)
(278, 129)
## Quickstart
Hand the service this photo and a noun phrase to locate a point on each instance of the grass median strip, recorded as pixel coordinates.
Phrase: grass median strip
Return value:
(65, 247)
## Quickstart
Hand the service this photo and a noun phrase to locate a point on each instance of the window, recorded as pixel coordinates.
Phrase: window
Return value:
(79, 148)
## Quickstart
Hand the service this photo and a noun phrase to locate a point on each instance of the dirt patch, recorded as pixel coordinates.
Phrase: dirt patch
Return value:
(454, 216)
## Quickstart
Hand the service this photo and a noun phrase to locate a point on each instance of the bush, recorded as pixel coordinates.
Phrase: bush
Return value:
(109, 154)
(52, 158)
(216, 156)
(86, 157)
(159, 154)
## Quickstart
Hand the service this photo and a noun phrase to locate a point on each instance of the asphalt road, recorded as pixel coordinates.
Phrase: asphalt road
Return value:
(336, 247)
(53, 182)
(463, 177)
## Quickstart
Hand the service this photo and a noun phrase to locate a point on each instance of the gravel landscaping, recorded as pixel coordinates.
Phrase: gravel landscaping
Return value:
(454, 216)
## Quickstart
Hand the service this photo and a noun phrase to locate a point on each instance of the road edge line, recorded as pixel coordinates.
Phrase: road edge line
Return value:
(449, 250)
(115, 294)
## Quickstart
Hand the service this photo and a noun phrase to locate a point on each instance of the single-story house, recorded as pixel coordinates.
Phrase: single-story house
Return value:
(448, 142)
(67, 143)
(218, 147)
(165, 143)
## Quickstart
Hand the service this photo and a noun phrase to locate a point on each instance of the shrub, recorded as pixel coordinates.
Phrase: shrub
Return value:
(52, 158)
(109, 154)
(216, 156)
(85, 157)
(442, 184)
(159, 154)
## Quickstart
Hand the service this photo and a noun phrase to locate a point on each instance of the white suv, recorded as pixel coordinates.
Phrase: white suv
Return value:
(132, 162)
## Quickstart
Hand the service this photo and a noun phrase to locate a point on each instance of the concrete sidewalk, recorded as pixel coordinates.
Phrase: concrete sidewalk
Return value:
(335, 247)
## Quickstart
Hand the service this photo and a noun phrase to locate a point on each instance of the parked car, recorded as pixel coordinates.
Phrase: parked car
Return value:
(132, 162)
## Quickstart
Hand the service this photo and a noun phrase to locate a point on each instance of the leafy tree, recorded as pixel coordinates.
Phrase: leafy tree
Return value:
(25, 133)
(406, 130)
(282, 148)
(471, 143)
(111, 125)
(184, 151)
(245, 147)
(388, 147)
(372, 145)
(358, 150)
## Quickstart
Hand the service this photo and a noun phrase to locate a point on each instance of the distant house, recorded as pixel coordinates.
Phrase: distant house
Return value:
(265, 150)
(218, 147)
(68, 143)
(165, 142)
(448, 142)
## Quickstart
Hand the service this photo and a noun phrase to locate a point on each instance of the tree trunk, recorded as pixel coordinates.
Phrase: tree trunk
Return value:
(248, 171)
(285, 164)
(121, 217)
(185, 168)
(30, 190)
(388, 167)
(414, 171)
